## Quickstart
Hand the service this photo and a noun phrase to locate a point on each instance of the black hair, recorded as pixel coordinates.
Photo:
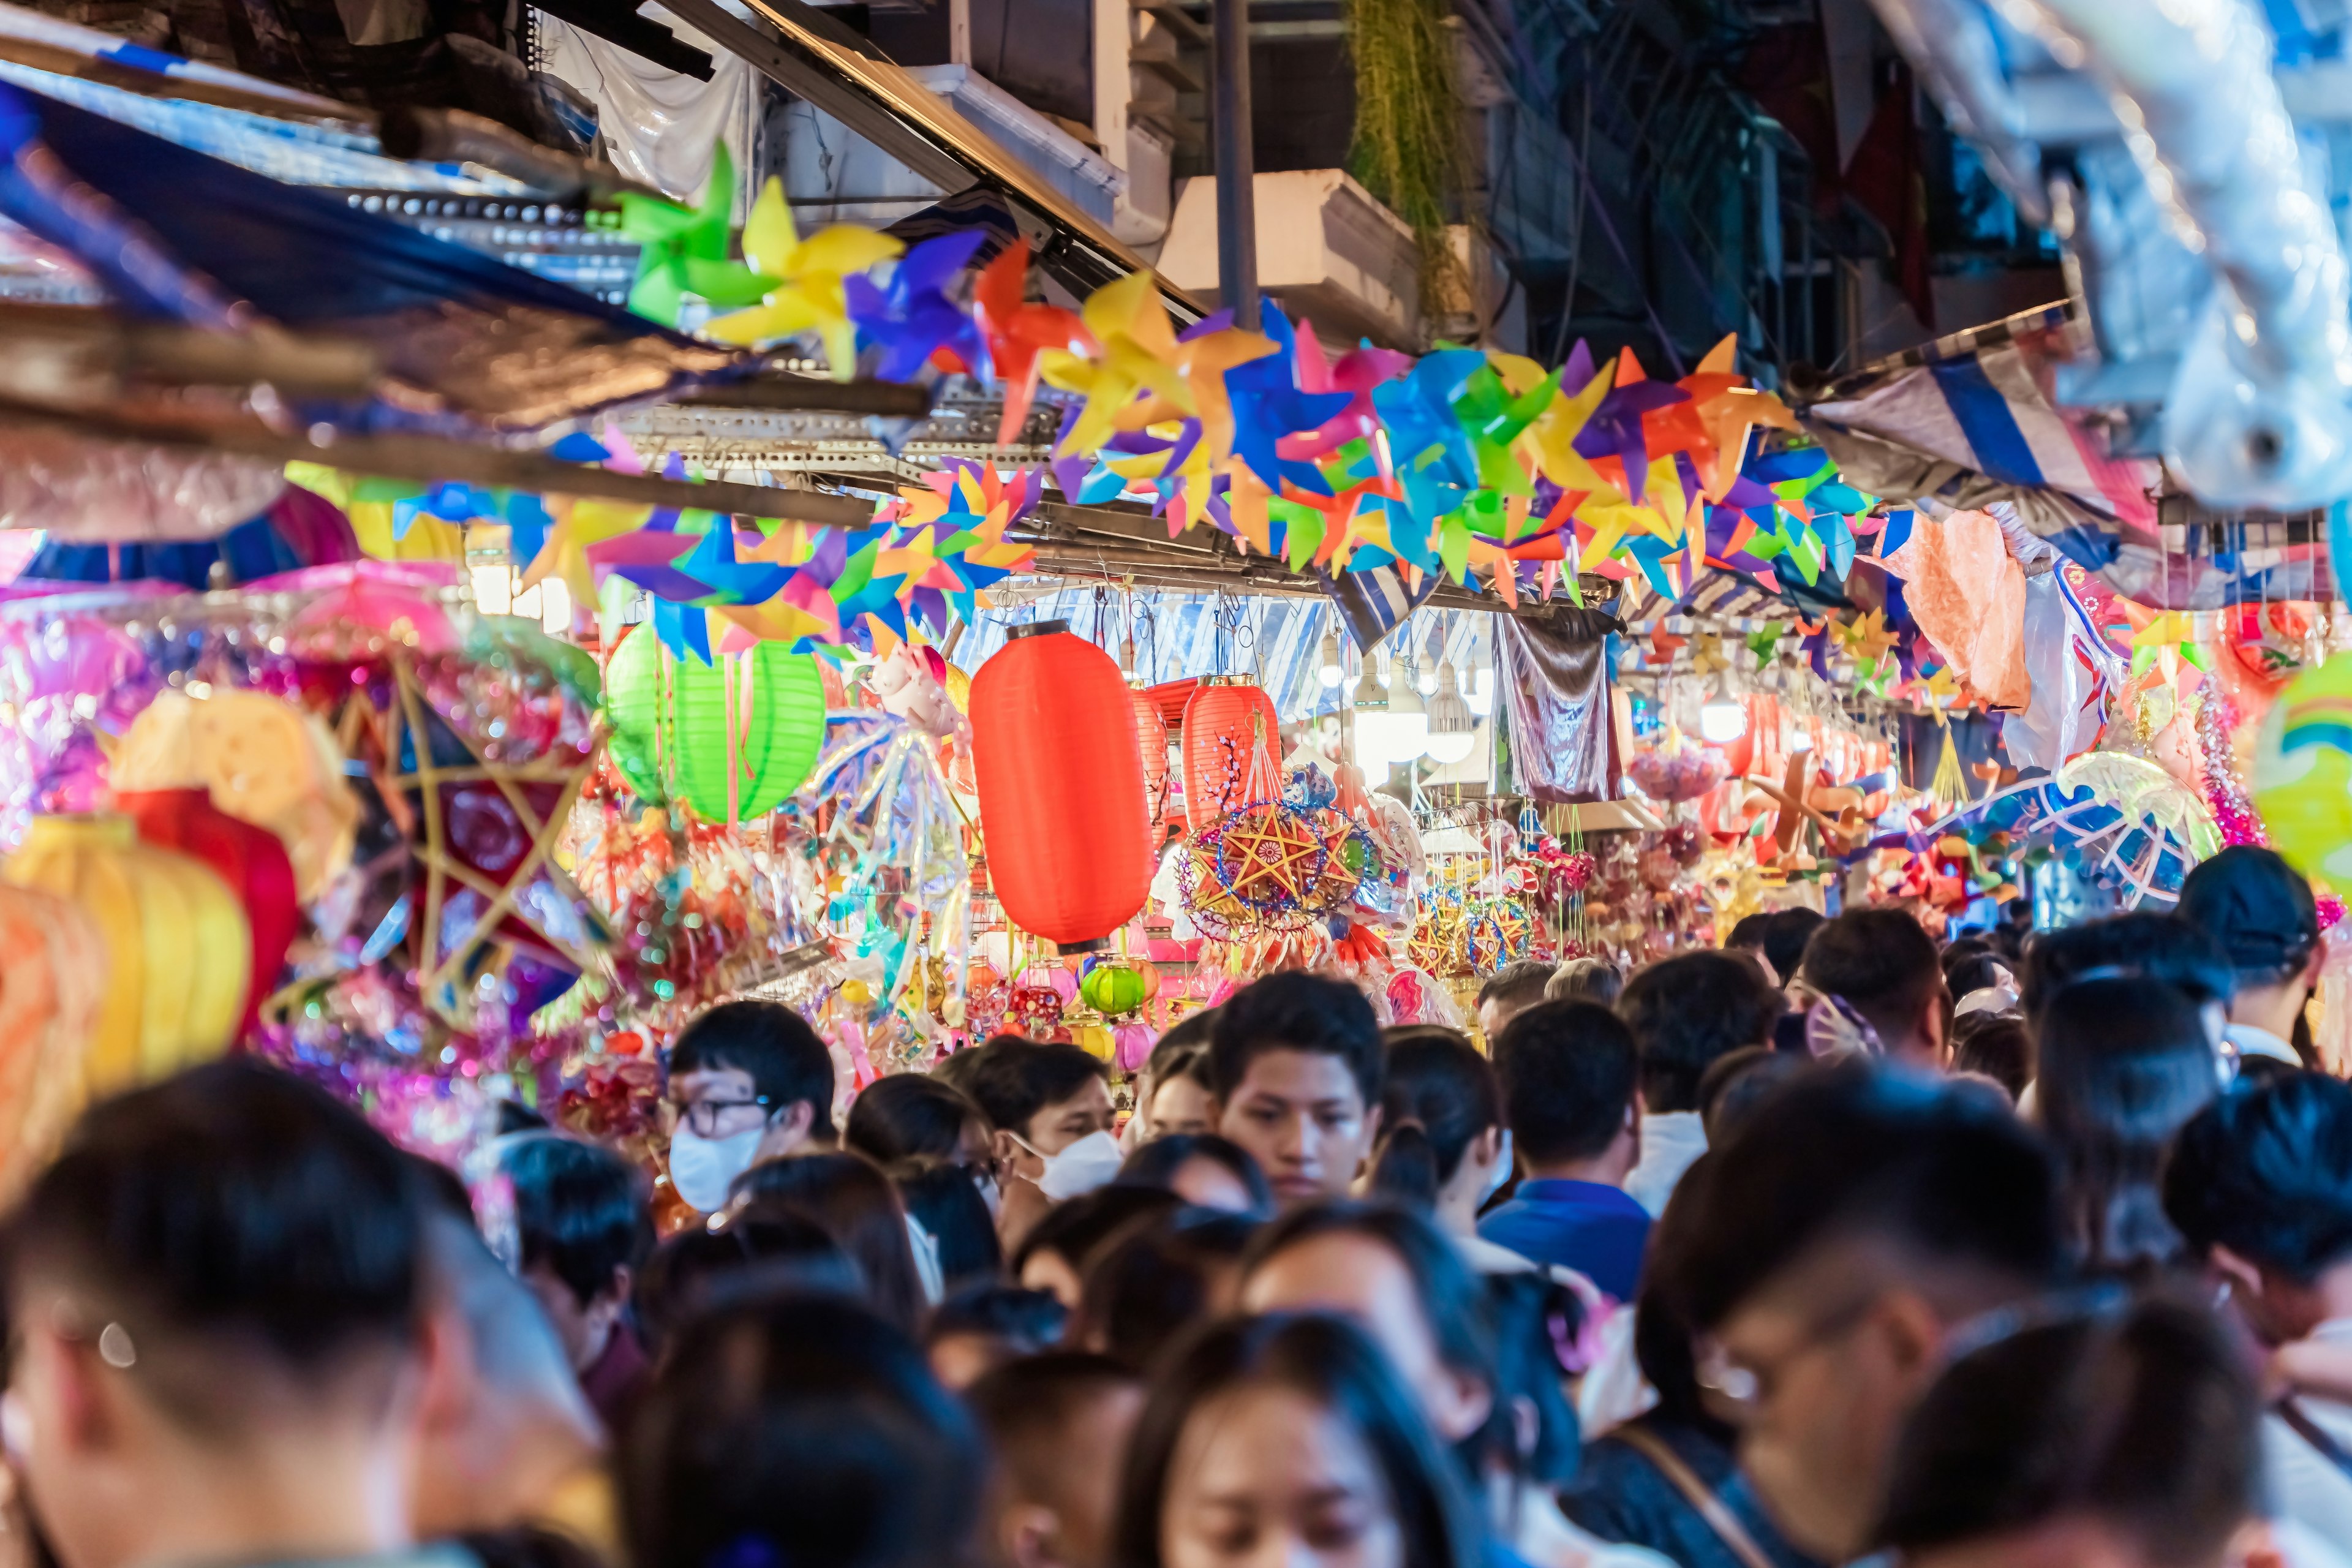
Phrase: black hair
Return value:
(1026, 1408)
(1970, 969)
(1995, 1045)
(233, 1204)
(1518, 984)
(1439, 1096)
(2222, 891)
(910, 1116)
(1787, 935)
(1077, 1229)
(1664, 1345)
(1155, 1164)
(1336, 1364)
(2267, 1173)
(1594, 980)
(527, 1546)
(1880, 962)
(579, 1210)
(944, 1200)
(1018, 1079)
(1569, 1071)
(788, 1064)
(1296, 1011)
(1747, 930)
(1855, 1150)
(957, 1067)
(2123, 1063)
(2141, 1416)
(748, 1255)
(513, 1116)
(1689, 1009)
(1738, 1082)
(1451, 1302)
(848, 1196)
(1157, 1278)
(2162, 947)
(1193, 1032)
(1532, 1316)
(805, 1431)
(1027, 1321)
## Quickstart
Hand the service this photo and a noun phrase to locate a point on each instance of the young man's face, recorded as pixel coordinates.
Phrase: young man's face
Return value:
(1055, 1127)
(1302, 1118)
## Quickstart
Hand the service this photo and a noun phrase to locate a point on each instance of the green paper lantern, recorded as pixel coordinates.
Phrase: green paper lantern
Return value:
(669, 719)
(1112, 989)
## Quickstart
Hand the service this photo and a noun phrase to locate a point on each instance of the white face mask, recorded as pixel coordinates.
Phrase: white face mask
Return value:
(702, 1169)
(1500, 1174)
(1089, 1163)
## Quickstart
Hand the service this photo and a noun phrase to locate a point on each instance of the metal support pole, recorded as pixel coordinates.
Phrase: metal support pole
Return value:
(1229, 115)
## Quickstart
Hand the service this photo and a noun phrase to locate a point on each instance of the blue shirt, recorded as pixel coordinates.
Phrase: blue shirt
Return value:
(1597, 1230)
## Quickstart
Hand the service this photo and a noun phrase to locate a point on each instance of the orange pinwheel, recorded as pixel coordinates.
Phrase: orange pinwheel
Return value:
(1018, 332)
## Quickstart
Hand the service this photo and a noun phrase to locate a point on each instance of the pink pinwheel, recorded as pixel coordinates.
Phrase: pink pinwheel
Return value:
(1356, 373)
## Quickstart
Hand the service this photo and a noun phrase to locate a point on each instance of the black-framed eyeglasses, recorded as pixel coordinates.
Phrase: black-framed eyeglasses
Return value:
(703, 1116)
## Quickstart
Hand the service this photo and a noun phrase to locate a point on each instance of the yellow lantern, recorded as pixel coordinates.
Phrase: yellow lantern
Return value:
(178, 953)
(50, 989)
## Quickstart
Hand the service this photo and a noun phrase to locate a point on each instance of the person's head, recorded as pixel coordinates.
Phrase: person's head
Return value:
(1404, 1281)
(1444, 1147)
(2260, 1185)
(2260, 912)
(848, 1196)
(1570, 1075)
(1533, 1317)
(2126, 1437)
(1510, 990)
(1289, 1439)
(948, 1206)
(1176, 1092)
(2122, 1063)
(1594, 980)
(1748, 932)
(1061, 1247)
(505, 1424)
(1828, 1247)
(982, 1328)
(1047, 1100)
(1161, 1276)
(801, 1430)
(1884, 967)
(915, 1116)
(217, 1291)
(1736, 1083)
(1296, 1059)
(1689, 1009)
(749, 1080)
(746, 1255)
(1970, 964)
(1994, 1045)
(2162, 947)
(1182, 1095)
(581, 1220)
(1054, 1423)
(1202, 1169)
(1787, 933)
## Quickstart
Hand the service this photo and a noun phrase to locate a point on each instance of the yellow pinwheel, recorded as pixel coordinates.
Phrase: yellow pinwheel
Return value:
(807, 295)
(1138, 352)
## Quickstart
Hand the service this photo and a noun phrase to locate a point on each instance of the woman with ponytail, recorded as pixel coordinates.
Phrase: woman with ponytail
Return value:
(1444, 1149)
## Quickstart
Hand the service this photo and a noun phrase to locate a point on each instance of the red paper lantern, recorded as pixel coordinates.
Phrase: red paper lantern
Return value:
(1152, 742)
(1228, 719)
(1061, 786)
(251, 859)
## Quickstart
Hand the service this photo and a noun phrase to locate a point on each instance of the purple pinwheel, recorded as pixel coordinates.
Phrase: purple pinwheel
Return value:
(1615, 429)
(911, 316)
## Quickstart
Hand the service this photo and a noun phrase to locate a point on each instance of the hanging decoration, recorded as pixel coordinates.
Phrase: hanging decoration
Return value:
(1228, 719)
(731, 735)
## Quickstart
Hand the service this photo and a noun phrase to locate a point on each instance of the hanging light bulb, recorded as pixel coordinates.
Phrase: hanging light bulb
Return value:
(1452, 730)
(1722, 718)
(1331, 671)
(1408, 720)
(1373, 754)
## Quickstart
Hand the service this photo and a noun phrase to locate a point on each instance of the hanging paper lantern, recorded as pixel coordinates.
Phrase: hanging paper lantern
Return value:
(1228, 719)
(2303, 774)
(1112, 989)
(179, 955)
(672, 716)
(1152, 742)
(1061, 786)
(50, 989)
(252, 860)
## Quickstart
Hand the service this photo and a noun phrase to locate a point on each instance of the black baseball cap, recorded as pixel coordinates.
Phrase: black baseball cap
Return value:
(2257, 908)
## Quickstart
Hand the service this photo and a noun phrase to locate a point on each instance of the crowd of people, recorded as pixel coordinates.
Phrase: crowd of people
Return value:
(1826, 1246)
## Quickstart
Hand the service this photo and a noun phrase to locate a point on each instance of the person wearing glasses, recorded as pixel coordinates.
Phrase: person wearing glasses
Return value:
(749, 1081)
(1849, 1226)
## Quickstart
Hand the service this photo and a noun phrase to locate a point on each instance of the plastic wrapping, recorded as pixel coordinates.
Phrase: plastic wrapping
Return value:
(83, 492)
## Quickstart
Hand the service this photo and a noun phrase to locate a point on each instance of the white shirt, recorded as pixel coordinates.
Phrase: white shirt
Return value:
(1672, 1143)
(2305, 1489)
(2254, 1042)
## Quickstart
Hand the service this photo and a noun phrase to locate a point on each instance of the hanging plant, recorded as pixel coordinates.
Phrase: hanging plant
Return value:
(1408, 148)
